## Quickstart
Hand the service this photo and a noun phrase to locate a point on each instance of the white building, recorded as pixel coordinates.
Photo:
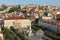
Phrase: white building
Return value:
(58, 12)
(22, 6)
(36, 15)
(41, 13)
(50, 15)
(19, 23)
(57, 15)
(46, 18)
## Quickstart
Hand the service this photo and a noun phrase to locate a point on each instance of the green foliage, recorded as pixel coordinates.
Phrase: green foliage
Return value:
(11, 37)
(20, 34)
(13, 9)
(19, 7)
(46, 13)
(7, 33)
(35, 27)
(12, 28)
(58, 33)
(36, 20)
(49, 34)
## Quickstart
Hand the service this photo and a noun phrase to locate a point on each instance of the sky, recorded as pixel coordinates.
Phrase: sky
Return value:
(15, 2)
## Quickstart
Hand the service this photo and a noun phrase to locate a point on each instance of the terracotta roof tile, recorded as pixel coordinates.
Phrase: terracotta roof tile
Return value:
(0, 38)
(13, 18)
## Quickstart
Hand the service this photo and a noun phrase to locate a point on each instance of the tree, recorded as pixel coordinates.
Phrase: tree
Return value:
(20, 34)
(46, 13)
(19, 7)
(49, 34)
(35, 27)
(13, 9)
(12, 28)
(58, 33)
(7, 34)
(11, 37)
(24, 10)
(36, 20)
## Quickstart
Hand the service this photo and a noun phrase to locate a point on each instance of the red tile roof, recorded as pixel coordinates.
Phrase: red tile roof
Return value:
(14, 18)
(58, 16)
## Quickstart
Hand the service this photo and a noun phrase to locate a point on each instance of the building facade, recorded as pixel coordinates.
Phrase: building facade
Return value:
(20, 23)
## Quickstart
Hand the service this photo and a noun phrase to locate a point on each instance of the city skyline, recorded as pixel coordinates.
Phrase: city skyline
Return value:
(15, 2)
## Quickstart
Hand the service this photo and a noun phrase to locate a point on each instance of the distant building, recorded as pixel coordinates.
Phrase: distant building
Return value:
(46, 18)
(31, 5)
(36, 9)
(41, 13)
(49, 15)
(36, 15)
(57, 16)
(22, 6)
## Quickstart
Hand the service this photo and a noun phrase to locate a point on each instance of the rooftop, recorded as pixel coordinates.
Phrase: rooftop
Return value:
(14, 18)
